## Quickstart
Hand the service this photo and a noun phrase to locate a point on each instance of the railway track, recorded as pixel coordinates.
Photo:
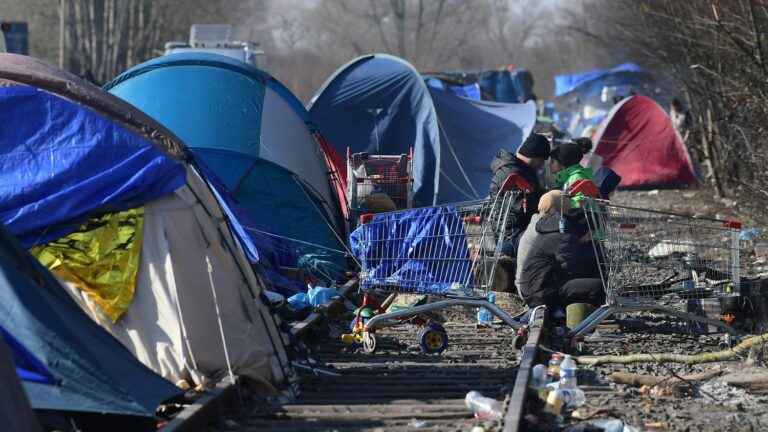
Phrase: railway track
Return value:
(398, 388)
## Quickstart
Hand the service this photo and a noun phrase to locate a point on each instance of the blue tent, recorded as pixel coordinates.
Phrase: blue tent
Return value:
(65, 360)
(250, 131)
(380, 104)
(566, 83)
(471, 133)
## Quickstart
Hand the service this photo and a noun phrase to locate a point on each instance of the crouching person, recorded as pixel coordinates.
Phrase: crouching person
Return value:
(557, 268)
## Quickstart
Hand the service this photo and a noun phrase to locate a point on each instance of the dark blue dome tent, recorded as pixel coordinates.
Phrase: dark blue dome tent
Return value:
(381, 105)
(69, 366)
(106, 198)
(252, 133)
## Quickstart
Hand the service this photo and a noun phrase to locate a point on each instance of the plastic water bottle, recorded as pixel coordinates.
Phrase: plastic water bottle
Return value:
(484, 408)
(568, 373)
(572, 394)
(484, 316)
(539, 376)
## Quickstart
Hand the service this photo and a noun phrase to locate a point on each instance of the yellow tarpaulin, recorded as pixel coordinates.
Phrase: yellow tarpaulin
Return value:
(101, 258)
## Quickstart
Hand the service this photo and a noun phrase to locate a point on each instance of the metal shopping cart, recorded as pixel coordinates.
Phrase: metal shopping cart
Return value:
(448, 251)
(379, 174)
(661, 262)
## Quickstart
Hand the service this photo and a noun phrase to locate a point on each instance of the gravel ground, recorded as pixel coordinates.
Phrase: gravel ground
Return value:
(710, 405)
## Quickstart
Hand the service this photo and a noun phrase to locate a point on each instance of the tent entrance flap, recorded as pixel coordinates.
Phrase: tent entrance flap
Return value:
(101, 259)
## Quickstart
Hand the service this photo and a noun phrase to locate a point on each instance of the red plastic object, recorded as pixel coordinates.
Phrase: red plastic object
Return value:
(473, 220)
(627, 226)
(586, 187)
(365, 218)
(515, 181)
(732, 224)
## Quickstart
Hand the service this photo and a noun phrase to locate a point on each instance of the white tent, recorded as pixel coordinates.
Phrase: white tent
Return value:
(172, 324)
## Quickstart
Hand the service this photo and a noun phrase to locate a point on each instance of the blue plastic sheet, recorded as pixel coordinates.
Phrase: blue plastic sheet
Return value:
(409, 250)
(507, 86)
(314, 297)
(566, 83)
(61, 161)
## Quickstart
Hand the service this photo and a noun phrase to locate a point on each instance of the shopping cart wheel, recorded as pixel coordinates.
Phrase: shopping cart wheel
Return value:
(433, 339)
(369, 342)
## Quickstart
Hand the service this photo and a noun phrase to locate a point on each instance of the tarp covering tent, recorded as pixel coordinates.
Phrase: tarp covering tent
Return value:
(79, 155)
(566, 83)
(66, 361)
(380, 104)
(638, 141)
(508, 85)
(15, 410)
(250, 130)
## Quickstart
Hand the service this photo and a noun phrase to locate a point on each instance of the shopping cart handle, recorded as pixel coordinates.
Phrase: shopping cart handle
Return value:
(365, 218)
(586, 187)
(515, 181)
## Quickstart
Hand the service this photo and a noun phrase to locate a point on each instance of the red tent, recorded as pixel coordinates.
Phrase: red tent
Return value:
(637, 140)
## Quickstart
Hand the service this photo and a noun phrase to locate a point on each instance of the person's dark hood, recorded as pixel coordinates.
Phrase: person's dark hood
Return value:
(576, 223)
(548, 224)
(502, 158)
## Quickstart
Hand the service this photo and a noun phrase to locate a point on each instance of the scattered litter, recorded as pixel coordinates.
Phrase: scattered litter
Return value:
(418, 424)
(613, 425)
(653, 192)
(477, 429)
(314, 297)
(728, 202)
(661, 391)
(747, 234)
(666, 248)
(231, 424)
(484, 408)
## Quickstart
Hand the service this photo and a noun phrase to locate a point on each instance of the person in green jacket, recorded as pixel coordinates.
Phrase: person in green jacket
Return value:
(565, 164)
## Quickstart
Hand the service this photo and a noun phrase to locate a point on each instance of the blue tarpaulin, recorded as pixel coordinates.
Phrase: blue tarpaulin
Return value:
(515, 86)
(568, 82)
(61, 161)
(421, 250)
(507, 86)
(68, 362)
(381, 105)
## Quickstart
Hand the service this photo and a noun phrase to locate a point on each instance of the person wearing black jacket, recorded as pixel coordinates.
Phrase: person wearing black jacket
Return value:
(560, 267)
(531, 156)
